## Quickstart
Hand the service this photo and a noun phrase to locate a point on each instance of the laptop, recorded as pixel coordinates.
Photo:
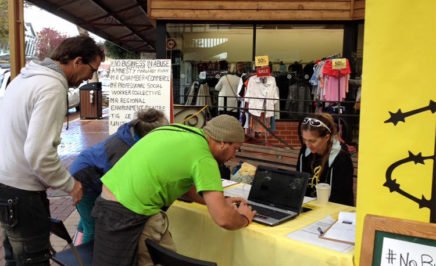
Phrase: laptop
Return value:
(277, 195)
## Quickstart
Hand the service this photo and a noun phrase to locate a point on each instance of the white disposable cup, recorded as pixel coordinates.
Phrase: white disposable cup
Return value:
(323, 193)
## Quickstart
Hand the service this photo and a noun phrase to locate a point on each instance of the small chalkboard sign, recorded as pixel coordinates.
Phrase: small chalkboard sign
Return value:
(393, 241)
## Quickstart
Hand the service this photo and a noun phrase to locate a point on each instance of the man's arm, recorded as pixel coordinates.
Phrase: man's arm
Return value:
(43, 137)
(225, 214)
(192, 195)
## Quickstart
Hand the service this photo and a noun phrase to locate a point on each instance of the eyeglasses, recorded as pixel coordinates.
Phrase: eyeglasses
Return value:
(315, 123)
(92, 68)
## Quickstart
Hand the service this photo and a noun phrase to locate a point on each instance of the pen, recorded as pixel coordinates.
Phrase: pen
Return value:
(321, 232)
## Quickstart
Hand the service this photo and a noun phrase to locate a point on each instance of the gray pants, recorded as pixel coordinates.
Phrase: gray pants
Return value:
(117, 232)
(27, 241)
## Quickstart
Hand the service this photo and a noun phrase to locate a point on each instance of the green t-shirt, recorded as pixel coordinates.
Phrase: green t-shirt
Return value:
(161, 167)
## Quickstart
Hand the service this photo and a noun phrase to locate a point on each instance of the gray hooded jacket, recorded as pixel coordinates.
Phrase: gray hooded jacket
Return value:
(31, 118)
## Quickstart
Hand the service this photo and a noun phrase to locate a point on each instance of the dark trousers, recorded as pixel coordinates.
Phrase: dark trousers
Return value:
(28, 241)
(117, 232)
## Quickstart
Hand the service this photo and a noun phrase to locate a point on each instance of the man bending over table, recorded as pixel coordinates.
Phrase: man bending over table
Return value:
(169, 162)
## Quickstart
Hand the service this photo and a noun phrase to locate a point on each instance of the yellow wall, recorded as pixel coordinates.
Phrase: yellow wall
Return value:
(398, 72)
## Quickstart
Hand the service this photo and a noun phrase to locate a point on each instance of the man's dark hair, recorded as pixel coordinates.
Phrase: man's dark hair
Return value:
(73, 47)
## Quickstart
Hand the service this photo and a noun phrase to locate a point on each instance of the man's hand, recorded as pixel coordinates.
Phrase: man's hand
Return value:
(241, 205)
(235, 201)
(245, 210)
(226, 212)
(77, 192)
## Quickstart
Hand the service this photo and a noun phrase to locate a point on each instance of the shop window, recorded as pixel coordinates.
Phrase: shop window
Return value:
(203, 53)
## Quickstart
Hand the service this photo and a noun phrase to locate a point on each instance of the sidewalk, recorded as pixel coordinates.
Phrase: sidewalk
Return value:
(80, 135)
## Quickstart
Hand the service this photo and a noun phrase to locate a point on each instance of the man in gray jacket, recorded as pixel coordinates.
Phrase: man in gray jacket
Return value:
(31, 118)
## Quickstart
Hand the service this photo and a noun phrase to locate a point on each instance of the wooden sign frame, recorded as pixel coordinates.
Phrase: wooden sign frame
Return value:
(378, 227)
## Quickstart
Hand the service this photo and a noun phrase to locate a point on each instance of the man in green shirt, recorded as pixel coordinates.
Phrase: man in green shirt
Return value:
(168, 163)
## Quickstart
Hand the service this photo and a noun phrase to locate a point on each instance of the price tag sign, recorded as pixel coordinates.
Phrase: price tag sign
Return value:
(261, 61)
(263, 71)
(339, 63)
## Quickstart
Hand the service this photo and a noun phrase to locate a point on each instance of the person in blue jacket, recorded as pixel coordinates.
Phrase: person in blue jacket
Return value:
(92, 163)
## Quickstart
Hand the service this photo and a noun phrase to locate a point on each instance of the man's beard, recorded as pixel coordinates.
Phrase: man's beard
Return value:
(73, 83)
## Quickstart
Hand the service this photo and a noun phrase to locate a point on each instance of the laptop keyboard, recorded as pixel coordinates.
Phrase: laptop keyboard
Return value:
(265, 212)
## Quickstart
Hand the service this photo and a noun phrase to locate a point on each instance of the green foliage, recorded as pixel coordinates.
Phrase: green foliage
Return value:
(4, 30)
(4, 21)
(116, 52)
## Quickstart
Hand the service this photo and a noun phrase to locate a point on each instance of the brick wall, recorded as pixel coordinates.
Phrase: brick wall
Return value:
(286, 130)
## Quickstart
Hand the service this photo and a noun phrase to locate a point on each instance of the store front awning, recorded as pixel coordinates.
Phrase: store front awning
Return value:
(124, 23)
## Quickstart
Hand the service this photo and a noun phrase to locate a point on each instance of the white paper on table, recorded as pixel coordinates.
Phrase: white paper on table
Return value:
(349, 217)
(307, 199)
(344, 229)
(310, 234)
(242, 190)
(228, 183)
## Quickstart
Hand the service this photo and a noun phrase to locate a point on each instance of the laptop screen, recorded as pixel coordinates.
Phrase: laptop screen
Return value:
(279, 188)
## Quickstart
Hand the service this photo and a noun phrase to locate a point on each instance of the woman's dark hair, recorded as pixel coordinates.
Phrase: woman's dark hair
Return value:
(147, 120)
(79, 46)
(327, 126)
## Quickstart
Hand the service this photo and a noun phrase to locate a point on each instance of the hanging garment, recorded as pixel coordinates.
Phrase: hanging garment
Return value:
(299, 101)
(282, 82)
(192, 93)
(203, 97)
(335, 81)
(262, 94)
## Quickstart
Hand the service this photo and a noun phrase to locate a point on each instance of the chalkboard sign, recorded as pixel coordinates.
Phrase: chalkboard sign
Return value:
(396, 242)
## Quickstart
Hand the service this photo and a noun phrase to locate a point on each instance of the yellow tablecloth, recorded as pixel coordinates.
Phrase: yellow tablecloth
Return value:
(196, 235)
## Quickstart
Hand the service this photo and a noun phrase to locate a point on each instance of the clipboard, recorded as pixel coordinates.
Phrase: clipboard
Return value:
(343, 230)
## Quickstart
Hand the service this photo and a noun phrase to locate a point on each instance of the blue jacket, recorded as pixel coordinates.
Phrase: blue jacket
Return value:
(92, 163)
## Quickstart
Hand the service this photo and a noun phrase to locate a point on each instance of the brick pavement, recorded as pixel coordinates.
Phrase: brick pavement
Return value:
(80, 135)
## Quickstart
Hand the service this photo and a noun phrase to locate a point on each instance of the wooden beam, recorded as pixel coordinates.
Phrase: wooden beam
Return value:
(251, 15)
(246, 5)
(249, 10)
(359, 9)
(352, 8)
(16, 36)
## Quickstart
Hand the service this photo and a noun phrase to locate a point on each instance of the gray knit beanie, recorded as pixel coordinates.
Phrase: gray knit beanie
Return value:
(225, 128)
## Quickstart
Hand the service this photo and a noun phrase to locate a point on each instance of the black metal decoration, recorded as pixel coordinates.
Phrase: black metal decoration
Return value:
(418, 158)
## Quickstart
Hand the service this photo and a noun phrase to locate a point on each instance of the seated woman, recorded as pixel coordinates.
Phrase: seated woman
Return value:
(323, 157)
(94, 162)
